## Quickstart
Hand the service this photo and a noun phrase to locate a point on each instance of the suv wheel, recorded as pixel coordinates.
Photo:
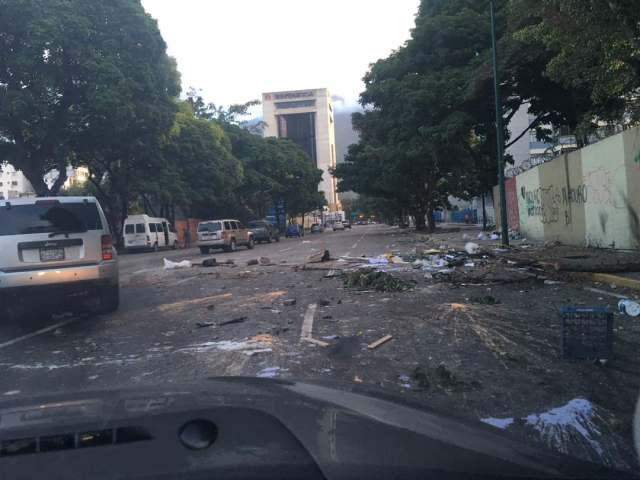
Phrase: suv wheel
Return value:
(251, 244)
(270, 239)
(204, 250)
(277, 238)
(232, 246)
(109, 299)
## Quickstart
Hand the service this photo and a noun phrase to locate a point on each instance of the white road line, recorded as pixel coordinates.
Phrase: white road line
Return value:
(307, 324)
(38, 332)
(285, 250)
(355, 245)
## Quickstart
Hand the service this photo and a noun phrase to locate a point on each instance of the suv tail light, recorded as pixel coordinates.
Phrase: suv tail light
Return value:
(107, 247)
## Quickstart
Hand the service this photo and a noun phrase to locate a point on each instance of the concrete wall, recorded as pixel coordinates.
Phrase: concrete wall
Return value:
(588, 197)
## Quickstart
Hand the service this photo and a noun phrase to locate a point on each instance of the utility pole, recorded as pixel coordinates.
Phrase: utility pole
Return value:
(504, 226)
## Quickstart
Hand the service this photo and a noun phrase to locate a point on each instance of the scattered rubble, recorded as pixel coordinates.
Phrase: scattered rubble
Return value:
(323, 256)
(289, 302)
(252, 262)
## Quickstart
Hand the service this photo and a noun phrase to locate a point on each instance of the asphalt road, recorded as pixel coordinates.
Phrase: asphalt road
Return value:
(154, 337)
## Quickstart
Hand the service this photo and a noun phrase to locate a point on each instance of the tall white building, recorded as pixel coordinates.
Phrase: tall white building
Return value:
(13, 183)
(306, 118)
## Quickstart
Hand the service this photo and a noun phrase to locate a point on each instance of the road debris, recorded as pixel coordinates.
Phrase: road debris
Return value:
(472, 248)
(379, 342)
(210, 262)
(169, 265)
(323, 256)
(205, 324)
(380, 281)
(233, 321)
(324, 302)
(289, 302)
(320, 343)
(269, 372)
(629, 307)
(486, 300)
(252, 262)
(265, 261)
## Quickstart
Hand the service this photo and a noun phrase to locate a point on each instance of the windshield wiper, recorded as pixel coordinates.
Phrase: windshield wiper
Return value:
(65, 232)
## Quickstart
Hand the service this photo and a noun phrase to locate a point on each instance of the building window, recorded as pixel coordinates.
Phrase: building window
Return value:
(14, 183)
(0, 184)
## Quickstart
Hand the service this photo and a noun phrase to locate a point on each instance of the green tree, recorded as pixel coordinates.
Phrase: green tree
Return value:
(88, 82)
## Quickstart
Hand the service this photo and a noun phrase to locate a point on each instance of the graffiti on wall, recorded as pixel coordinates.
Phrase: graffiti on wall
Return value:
(547, 202)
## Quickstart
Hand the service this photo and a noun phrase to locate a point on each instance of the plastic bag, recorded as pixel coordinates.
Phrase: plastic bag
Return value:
(169, 265)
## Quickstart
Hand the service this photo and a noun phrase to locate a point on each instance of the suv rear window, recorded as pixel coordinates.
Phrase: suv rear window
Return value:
(209, 227)
(140, 228)
(128, 229)
(49, 218)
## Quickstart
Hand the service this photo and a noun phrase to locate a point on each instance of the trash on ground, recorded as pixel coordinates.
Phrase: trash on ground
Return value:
(629, 307)
(486, 300)
(252, 262)
(380, 281)
(233, 321)
(472, 248)
(357, 379)
(323, 256)
(265, 261)
(289, 302)
(210, 262)
(320, 343)
(269, 372)
(379, 342)
(324, 302)
(378, 261)
(494, 237)
(553, 282)
(331, 337)
(205, 324)
(169, 265)
(332, 273)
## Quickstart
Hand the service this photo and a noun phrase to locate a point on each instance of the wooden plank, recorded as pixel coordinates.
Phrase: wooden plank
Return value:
(605, 292)
(379, 342)
(616, 280)
(316, 342)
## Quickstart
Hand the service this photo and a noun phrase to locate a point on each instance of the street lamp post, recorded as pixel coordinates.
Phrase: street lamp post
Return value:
(504, 226)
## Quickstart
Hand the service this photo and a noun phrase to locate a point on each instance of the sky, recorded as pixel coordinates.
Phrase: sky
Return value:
(234, 50)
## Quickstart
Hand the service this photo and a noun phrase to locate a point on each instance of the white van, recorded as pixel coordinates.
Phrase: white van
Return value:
(142, 232)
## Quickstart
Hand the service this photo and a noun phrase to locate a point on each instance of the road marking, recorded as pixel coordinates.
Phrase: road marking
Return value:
(307, 324)
(355, 244)
(286, 249)
(38, 332)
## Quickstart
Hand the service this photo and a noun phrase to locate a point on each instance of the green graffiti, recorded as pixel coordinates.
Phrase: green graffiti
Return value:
(637, 159)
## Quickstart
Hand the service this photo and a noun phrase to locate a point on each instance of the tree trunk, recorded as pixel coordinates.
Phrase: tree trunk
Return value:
(418, 216)
(484, 213)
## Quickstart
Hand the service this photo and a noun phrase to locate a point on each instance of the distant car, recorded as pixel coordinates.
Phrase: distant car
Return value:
(263, 231)
(317, 228)
(338, 226)
(347, 224)
(294, 230)
(225, 234)
(56, 249)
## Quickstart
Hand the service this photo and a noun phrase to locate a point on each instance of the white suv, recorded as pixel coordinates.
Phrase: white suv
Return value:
(56, 247)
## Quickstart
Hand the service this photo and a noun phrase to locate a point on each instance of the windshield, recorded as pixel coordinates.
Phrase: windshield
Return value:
(210, 227)
(49, 218)
(434, 200)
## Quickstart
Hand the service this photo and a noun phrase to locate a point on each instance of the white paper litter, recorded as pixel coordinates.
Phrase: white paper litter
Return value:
(169, 265)
(472, 248)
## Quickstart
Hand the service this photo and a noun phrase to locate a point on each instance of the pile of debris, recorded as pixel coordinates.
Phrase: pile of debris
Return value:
(372, 279)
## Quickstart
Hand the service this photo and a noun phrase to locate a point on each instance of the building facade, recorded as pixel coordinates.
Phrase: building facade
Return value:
(13, 183)
(306, 117)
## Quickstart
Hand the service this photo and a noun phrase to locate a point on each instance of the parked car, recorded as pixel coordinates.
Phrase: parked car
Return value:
(294, 230)
(54, 248)
(144, 232)
(316, 228)
(264, 231)
(347, 224)
(225, 234)
(338, 226)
